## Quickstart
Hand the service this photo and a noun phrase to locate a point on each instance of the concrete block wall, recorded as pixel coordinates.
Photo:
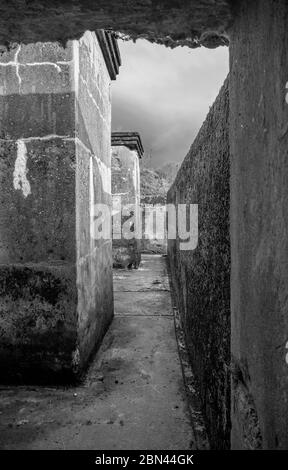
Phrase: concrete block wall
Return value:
(259, 224)
(126, 151)
(201, 278)
(56, 296)
(93, 186)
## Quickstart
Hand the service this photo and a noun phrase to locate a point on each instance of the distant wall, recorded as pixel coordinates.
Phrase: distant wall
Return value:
(154, 236)
(201, 278)
(153, 195)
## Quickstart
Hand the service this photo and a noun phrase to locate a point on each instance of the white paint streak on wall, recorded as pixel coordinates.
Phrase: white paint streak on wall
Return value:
(91, 198)
(105, 173)
(44, 137)
(16, 64)
(104, 170)
(17, 68)
(52, 64)
(76, 68)
(20, 180)
(135, 167)
(286, 98)
(286, 357)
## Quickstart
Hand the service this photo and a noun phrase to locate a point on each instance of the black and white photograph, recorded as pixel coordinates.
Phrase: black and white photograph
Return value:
(143, 231)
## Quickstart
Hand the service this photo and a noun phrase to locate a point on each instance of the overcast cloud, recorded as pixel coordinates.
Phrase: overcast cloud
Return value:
(165, 95)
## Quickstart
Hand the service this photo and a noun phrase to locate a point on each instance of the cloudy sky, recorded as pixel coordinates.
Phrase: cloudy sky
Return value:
(165, 95)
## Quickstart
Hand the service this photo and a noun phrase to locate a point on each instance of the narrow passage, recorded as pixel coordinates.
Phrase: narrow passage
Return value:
(133, 396)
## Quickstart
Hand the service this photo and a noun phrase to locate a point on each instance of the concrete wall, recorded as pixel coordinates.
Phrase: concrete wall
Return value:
(56, 282)
(189, 22)
(93, 185)
(125, 191)
(200, 278)
(259, 223)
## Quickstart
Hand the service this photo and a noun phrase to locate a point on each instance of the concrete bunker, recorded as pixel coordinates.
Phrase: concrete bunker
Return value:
(127, 149)
(258, 135)
(56, 279)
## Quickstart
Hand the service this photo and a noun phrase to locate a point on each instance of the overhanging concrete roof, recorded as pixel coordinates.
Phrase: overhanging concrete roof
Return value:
(132, 140)
(110, 51)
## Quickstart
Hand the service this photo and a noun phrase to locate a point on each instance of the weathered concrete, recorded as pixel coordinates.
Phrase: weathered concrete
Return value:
(56, 296)
(201, 278)
(133, 396)
(258, 136)
(153, 195)
(126, 151)
(170, 22)
(259, 224)
(154, 234)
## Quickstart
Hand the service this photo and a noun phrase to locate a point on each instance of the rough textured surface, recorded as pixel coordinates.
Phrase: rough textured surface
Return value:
(154, 236)
(200, 278)
(154, 187)
(259, 223)
(93, 186)
(126, 192)
(38, 322)
(57, 309)
(171, 22)
(133, 396)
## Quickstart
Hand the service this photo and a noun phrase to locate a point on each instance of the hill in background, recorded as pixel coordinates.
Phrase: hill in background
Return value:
(155, 183)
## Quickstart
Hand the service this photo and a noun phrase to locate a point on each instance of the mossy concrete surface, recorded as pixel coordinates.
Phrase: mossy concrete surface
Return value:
(170, 22)
(38, 322)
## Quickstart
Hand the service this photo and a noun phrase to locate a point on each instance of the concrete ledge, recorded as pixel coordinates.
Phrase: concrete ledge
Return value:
(132, 140)
(162, 21)
(110, 51)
